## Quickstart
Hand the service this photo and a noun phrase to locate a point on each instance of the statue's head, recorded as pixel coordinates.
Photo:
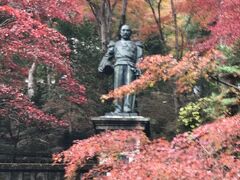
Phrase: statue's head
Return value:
(126, 32)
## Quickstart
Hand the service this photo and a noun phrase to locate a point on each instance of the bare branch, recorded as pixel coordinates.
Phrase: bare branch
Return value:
(114, 5)
(95, 10)
(123, 14)
(157, 19)
(7, 21)
(225, 83)
(174, 15)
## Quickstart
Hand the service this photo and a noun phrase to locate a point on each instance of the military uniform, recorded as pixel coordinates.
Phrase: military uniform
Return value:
(123, 55)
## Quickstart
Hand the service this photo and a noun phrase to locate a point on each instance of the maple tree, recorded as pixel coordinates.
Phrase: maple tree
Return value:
(157, 67)
(110, 145)
(16, 105)
(220, 20)
(211, 150)
(152, 16)
(25, 37)
(219, 17)
(73, 11)
(21, 34)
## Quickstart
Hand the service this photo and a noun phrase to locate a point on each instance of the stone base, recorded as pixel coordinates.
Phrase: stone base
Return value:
(120, 114)
(123, 121)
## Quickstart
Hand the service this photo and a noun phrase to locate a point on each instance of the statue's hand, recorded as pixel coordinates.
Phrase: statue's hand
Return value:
(100, 69)
(106, 67)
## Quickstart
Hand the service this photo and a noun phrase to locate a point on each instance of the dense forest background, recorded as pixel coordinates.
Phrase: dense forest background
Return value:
(50, 50)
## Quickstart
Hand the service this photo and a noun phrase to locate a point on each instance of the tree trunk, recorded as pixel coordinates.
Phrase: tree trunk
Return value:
(174, 15)
(104, 38)
(49, 84)
(157, 18)
(123, 16)
(182, 44)
(31, 83)
(103, 11)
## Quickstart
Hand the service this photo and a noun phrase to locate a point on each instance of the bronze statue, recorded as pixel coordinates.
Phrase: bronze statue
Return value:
(121, 57)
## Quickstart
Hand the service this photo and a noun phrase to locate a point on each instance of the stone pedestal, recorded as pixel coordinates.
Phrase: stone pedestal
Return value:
(123, 121)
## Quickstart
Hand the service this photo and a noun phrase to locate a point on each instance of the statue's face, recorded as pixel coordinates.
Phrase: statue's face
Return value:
(125, 32)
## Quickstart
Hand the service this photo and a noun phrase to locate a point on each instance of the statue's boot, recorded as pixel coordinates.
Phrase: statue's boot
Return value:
(127, 107)
(127, 110)
(118, 107)
(117, 111)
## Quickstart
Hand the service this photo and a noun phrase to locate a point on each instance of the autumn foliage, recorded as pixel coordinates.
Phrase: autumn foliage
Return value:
(206, 153)
(31, 40)
(67, 10)
(107, 147)
(24, 36)
(185, 72)
(210, 151)
(221, 18)
(17, 106)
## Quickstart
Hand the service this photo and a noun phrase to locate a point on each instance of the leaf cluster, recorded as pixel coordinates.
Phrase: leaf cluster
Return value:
(156, 68)
(203, 110)
(208, 152)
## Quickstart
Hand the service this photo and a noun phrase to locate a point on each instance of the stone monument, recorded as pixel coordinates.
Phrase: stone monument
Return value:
(120, 59)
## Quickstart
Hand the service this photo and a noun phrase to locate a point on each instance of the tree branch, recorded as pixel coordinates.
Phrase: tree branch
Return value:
(225, 83)
(7, 21)
(94, 9)
(123, 14)
(31, 84)
(156, 19)
(114, 5)
(159, 20)
(174, 15)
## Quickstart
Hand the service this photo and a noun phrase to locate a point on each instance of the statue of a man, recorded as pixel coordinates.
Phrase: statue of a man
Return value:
(123, 54)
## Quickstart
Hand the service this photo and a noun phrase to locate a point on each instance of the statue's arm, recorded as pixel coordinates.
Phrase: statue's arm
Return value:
(139, 51)
(110, 51)
(107, 58)
(139, 56)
